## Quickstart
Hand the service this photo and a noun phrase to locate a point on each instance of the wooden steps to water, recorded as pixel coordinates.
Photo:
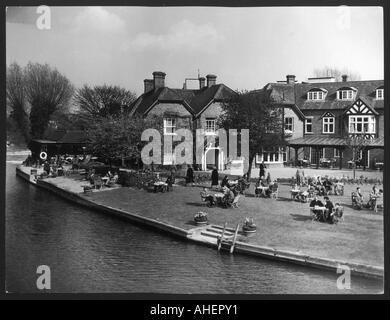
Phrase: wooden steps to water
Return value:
(226, 241)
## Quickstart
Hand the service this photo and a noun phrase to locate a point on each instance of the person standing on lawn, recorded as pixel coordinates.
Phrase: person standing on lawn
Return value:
(262, 170)
(190, 176)
(214, 178)
(298, 177)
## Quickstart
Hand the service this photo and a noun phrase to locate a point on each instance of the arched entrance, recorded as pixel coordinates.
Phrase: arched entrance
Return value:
(218, 158)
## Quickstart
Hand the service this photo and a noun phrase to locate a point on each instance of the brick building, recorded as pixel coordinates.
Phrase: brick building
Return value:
(186, 108)
(321, 113)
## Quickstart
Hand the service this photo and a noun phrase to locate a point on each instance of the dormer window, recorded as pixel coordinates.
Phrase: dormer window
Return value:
(346, 93)
(316, 94)
(380, 93)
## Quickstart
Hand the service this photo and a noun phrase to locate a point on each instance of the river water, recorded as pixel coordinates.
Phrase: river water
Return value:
(92, 252)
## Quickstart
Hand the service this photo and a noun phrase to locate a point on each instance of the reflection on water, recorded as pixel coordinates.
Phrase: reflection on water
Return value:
(92, 252)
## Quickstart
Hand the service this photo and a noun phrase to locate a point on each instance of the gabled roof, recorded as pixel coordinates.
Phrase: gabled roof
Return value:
(297, 93)
(194, 100)
(360, 106)
(327, 114)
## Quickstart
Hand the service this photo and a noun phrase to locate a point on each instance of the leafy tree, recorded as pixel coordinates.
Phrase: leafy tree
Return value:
(102, 101)
(328, 71)
(16, 99)
(256, 112)
(47, 91)
(118, 136)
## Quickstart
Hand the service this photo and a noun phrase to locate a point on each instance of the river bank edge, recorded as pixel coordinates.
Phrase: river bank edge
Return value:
(240, 247)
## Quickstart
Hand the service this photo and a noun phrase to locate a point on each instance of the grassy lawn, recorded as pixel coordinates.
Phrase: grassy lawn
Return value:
(282, 223)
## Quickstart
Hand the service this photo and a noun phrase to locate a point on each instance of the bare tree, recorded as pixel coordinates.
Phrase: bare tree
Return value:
(47, 91)
(102, 101)
(357, 143)
(16, 99)
(329, 71)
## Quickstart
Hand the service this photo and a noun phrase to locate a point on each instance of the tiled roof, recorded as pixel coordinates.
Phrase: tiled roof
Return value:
(54, 135)
(329, 141)
(74, 136)
(196, 100)
(297, 93)
(63, 136)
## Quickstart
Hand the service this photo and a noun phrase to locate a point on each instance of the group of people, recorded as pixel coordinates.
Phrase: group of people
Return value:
(358, 198)
(97, 181)
(325, 211)
(228, 195)
(53, 167)
(265, 188)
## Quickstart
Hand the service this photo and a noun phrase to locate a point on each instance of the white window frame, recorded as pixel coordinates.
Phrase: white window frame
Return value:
(337, 153)
(209, 131)
(270, 157)
(345, 94)
(169, 122)
(311, 119)
(289, 124)
(380, 94)
(327, 122)
(354, 121)
(315, 95)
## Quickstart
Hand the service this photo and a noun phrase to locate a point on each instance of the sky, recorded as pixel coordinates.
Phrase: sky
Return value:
(245, 47)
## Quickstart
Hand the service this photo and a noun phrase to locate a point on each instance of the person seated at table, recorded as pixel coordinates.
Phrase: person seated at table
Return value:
(327, 185)
(106, 178)
(170, 181)
(329, 209)
(225, 182)
(319, 186)
(375, 190)
(359, 194)
(295, 191)
(206, 196)
(228, 196)
(273, 187)
(91, 176)
(316, 203)
(236, 196)
(373, 196)
(303, 195)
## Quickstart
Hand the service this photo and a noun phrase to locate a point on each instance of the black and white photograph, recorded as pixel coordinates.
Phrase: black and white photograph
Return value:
(194, 150)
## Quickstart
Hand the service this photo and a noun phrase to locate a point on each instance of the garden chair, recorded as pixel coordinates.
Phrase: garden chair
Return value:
(274, 191)
(357, 202)
(378, 204)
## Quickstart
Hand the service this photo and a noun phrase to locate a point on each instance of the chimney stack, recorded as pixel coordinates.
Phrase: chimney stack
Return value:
(158, 79)
(211, 80)
(148, 85)
(290, 79)
(344, 77)
(202, 82)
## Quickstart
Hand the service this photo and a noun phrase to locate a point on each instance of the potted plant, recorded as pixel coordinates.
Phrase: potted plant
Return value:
(249, 226)
(200, 218)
